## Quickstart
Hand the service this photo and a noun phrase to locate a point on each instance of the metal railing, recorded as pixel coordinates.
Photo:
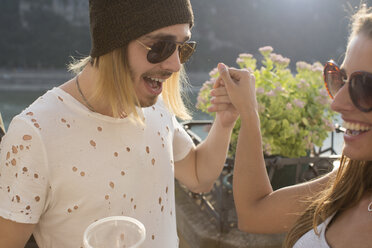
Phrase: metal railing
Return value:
(219, 203)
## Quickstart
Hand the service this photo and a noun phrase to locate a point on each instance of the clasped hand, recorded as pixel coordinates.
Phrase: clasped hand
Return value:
(234, 92)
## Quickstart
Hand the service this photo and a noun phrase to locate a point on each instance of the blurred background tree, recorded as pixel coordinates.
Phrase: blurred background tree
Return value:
(45, 33)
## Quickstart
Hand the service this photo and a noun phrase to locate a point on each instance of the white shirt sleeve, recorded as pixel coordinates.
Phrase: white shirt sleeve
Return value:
(182, 142)
(23, 173)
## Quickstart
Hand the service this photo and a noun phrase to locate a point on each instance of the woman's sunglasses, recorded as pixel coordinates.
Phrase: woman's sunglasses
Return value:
(163, 49)
(360, 85)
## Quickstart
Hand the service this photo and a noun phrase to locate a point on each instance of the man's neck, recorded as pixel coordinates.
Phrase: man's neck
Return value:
(87, 79)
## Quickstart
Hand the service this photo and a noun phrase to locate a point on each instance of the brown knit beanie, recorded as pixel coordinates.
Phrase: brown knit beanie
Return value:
(114, 23)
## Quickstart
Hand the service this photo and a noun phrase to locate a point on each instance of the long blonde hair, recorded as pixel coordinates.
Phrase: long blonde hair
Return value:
(353, 179)
(115, 85)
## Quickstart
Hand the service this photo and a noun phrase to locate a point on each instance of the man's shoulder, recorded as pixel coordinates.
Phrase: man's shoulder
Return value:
(44, 107)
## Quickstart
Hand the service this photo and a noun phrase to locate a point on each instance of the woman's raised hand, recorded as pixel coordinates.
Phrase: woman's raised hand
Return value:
(240, 86)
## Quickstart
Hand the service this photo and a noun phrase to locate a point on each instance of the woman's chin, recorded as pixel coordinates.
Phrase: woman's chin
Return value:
(357, 154)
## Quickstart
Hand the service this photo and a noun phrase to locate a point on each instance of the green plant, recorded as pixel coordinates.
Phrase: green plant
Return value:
(294, 109)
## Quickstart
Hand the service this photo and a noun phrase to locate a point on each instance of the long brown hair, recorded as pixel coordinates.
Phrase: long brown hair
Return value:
(353, 179)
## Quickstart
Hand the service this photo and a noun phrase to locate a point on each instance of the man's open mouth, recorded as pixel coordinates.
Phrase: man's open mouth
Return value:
(155, 85)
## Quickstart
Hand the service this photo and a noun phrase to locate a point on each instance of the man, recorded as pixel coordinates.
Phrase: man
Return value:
(106, 143)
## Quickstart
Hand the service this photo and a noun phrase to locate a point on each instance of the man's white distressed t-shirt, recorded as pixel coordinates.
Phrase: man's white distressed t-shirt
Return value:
(64, 167)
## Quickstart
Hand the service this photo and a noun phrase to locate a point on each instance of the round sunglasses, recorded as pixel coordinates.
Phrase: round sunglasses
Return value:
(360, 85)
(163, 49)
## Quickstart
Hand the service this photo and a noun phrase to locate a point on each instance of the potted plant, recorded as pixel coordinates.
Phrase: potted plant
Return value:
(294, 108)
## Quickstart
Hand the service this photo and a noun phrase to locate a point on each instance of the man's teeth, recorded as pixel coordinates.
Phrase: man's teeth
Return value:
(154, 82)
(355, 128)
(157, 79)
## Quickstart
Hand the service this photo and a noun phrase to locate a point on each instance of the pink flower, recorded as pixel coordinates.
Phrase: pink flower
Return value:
(266, 50)
(267, 149)
(213, 80)
(201, 100)
(289, 106)
(206, 86)
(322, 100)
(323, 92)
(271, 93)
(240, 61)
(298, 103)
(285, 61)
(245, 56)
(301, 65)
(260, 90)
(279, 87)
(317, 67)
(329, 125)
(275, 57)
(303, 84)
(214, 72)
(279, 59)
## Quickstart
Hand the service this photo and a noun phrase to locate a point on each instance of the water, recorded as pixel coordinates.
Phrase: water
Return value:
(14, 97)
(13, 102)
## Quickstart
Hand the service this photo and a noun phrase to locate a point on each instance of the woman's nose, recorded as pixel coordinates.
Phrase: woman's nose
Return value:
(342, 101)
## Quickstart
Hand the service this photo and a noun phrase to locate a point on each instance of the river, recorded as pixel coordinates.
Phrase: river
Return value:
(18, 89)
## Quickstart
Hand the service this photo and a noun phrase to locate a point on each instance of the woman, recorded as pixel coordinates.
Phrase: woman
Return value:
(332, 211)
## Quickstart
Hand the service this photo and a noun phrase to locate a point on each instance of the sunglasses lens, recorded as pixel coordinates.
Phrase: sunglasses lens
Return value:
(360, 89)
(160, 51)
(333, 79)
(186, 50)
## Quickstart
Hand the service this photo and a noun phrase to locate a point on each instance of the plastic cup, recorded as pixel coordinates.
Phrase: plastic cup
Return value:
(115, 232)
